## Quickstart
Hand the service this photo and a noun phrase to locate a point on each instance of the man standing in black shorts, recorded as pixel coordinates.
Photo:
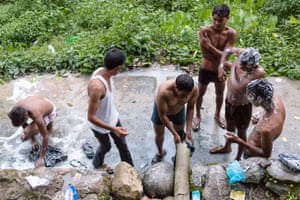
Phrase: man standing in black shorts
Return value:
(238, 110)
(214, 39)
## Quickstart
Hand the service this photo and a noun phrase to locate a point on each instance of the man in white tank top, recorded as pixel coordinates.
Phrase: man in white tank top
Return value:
(102, 115)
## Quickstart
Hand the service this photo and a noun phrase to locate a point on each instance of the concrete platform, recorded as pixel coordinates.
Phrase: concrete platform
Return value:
(135, 92)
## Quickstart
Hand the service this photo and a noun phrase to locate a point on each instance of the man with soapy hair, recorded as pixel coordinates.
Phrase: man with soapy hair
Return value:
(268, 123)
(238, 108)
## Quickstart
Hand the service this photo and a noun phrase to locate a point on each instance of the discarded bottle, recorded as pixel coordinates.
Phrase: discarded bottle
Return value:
(196, 195)
(71, 193)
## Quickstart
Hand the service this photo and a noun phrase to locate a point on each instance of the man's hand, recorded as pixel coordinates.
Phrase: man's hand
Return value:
(205, 41)
(188, 136)
(231, 137)
(39, 162)
(177, 139)
(121, 132)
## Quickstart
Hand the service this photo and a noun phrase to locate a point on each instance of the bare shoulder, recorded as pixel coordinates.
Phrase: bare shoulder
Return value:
(95, 84)
(231, 31)
(279, 104)
(164, 87)
(260, 72)
(205, 30)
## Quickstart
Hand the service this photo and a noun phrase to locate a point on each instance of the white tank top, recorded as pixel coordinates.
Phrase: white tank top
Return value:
(107, 110)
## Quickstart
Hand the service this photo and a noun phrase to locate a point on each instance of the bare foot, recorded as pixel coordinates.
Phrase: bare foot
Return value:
(196, 123)
(106, 168)
(220, 149)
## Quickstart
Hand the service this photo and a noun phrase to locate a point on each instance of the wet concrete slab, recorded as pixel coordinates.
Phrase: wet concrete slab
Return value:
(134, 94)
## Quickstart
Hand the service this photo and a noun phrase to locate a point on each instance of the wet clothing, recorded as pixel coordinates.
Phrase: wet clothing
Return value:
(178, 118)
(53, 155)
(241, 114)
(50, 117)
(107, 110)
(206, 76)
(105, 146)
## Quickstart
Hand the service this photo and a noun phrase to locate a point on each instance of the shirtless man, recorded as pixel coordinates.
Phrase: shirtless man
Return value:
(169, 110)
(213, 40)
(238, 108)
(35, 114)
(269, 123)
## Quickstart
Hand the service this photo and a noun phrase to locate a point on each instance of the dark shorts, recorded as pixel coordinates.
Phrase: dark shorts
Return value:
(206, 76)
(246, 154)
(178, 118)
(241, 115)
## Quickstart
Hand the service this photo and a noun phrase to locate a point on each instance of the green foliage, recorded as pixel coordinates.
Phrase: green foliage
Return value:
(81, 31)
(282, 9)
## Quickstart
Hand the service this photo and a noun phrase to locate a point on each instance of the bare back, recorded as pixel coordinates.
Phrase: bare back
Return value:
(268, 128)
(38, 107)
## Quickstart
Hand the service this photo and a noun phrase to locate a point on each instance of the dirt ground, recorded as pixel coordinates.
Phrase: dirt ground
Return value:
(135, 91)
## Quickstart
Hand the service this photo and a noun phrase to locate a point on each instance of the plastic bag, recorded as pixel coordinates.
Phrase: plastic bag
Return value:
(234, 172)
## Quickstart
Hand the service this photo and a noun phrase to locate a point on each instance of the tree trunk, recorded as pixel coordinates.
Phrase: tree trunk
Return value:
(181, 182)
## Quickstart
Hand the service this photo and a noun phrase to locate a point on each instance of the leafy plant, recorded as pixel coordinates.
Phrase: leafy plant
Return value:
(80, 32)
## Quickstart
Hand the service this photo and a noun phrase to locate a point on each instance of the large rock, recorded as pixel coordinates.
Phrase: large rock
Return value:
(282, 173)
(158, 180)
(199, 173)
(217, 185)
(127, 182)
(254, 172)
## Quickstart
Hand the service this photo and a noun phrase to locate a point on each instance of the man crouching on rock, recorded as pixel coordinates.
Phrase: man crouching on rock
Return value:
(35, 114)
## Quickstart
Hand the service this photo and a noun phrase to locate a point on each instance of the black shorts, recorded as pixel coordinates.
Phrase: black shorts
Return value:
(206, 76)
(241, 115)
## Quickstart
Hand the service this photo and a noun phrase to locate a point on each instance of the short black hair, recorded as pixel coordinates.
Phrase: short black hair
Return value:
(17, 115)
(113, 58)
(221, 10)
(262, 88)
(184, 82)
